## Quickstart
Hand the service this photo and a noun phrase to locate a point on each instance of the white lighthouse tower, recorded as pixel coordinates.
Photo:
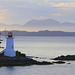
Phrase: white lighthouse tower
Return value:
(10, 46)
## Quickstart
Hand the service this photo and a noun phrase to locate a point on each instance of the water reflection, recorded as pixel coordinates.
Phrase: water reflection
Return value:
(10, 68)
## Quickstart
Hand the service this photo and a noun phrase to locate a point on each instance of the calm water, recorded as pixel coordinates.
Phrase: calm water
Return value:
(43, 47)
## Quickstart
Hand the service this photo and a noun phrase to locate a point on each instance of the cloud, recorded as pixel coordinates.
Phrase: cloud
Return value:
(70, 4)
(3, 10)
(66, 8)
(56, 14)
(2, 17)
(3, 14)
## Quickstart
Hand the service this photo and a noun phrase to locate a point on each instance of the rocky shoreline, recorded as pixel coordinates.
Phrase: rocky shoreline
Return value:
(22, 60)
(67, 57)
(19, 60)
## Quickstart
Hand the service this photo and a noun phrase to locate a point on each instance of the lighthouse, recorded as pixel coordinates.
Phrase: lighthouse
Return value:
(10, 46)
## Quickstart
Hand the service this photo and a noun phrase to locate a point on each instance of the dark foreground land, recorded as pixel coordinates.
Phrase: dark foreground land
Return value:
(22, 60)
(19, 60)
(68, 57)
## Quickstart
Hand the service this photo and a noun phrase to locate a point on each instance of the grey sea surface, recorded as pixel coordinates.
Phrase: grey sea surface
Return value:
(45, 47)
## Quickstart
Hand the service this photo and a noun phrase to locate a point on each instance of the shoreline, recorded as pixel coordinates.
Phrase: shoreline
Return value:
(22, 60)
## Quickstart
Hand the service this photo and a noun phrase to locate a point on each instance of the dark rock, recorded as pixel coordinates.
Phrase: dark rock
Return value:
(19, 60)
(68, 57)
(59, 62)
(19, 54)
(68, 63)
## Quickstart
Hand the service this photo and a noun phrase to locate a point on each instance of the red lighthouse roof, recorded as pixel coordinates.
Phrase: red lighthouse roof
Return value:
(10, 34)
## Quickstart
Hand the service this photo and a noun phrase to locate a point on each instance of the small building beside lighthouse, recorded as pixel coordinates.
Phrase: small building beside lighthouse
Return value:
(10, 46)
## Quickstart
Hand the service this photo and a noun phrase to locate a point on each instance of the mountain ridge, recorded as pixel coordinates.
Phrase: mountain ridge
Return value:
(47, 22)
(42, 22)
(38, 25)
(40, 33)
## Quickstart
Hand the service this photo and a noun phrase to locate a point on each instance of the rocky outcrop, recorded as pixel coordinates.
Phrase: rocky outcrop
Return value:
(22, 60)
(59, 62)
(68, 57)
(19, 60)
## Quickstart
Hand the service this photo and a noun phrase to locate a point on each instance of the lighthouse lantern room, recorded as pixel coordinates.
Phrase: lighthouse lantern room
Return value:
(10, 46)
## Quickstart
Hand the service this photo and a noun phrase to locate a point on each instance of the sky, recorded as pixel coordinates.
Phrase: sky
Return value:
(21, 11)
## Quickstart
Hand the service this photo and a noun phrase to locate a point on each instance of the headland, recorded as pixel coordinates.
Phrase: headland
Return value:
(19, 60)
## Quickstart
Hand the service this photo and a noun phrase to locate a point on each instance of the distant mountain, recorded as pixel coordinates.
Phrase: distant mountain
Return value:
(50, 24)
(38, 25)
(41, 33)
(43, 22)
(47, 22)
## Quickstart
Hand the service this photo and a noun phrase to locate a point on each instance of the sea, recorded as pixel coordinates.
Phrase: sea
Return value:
(44, 47)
